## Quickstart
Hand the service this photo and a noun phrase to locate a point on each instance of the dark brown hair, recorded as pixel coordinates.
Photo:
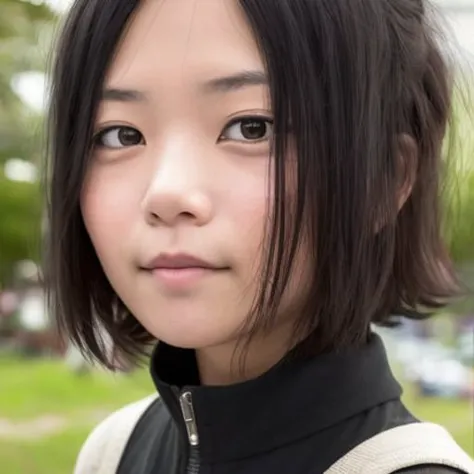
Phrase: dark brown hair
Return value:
(364, 92)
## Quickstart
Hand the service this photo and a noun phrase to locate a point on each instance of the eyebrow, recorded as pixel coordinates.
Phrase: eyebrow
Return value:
(223, 84)
(236, 81)
(123, 95)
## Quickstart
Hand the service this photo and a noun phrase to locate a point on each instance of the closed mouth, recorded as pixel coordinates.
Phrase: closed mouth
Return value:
(180, 262)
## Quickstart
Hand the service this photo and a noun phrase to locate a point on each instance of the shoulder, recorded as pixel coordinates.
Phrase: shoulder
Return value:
(154, 445)
(429, 469)
(117, 427)
(414, 448)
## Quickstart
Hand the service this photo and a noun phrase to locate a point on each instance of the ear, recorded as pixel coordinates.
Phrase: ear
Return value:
(407, 169)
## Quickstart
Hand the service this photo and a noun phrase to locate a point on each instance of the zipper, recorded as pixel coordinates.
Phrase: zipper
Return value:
(187, 411)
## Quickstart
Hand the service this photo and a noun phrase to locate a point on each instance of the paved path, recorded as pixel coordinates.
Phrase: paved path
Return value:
(46, 425)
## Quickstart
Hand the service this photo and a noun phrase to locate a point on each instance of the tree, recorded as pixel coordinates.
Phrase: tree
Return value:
(20, 217)
(22, 25)
(460, 197)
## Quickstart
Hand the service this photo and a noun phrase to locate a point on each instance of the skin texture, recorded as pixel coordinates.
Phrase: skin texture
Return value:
(190, 182)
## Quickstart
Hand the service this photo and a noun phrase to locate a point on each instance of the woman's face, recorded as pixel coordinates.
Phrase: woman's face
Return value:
(176, 196)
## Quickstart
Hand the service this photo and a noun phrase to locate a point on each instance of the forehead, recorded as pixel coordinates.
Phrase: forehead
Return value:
(172, 40)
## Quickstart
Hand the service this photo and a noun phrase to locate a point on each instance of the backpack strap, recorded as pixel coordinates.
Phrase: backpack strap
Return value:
(103, 449)
(405, 446)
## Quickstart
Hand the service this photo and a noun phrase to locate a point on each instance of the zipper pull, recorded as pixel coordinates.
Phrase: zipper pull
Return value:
(186, 402)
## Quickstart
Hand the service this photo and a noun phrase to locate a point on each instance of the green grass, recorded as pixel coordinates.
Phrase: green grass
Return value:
(34, 388)
(456, 416)
(30, 389)
(50, 455)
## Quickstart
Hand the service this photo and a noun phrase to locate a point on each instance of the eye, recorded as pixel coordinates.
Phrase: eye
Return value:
(248, 130)
(118, 137)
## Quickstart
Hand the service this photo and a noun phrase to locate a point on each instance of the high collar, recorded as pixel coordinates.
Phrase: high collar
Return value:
(289, 402)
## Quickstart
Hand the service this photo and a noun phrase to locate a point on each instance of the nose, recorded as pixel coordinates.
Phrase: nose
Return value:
(177, 191)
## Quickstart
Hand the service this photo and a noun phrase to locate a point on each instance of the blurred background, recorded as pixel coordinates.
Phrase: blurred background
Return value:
(50, 398)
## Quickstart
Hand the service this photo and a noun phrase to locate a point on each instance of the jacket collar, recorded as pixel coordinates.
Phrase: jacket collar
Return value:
(289, 402)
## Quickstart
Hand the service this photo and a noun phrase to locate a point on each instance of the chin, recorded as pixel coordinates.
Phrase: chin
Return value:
(189, 336)
(191, 342)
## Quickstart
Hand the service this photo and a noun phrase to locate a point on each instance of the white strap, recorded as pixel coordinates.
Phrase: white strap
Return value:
(103, 449)
(402, 447)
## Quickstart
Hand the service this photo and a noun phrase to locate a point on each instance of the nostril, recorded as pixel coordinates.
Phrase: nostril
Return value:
(153, 218)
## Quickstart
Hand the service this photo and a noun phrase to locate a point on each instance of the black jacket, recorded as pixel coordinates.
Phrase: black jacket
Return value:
(298, 418)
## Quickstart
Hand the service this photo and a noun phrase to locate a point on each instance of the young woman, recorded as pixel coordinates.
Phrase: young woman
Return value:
(252, 183)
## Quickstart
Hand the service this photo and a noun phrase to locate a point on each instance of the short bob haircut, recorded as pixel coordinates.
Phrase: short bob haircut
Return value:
(364, 92)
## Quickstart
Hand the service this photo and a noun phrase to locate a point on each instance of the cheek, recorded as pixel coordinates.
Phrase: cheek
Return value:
(108, 209)
(248, 202)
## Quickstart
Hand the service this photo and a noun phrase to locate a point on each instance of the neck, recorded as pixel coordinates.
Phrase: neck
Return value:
(235, 362)
(288, 403)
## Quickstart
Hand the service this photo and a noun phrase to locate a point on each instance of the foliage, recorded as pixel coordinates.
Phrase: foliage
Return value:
(23, 25)
(18, 15)
(20, 216)
(459, 196)
(26, 29)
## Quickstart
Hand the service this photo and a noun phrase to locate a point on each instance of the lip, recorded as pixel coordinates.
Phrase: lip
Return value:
(178, 261)
(180, 272)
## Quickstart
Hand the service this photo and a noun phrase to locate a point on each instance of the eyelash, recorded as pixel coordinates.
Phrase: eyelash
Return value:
(99, 136)
(267, 121)
(250, 118)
